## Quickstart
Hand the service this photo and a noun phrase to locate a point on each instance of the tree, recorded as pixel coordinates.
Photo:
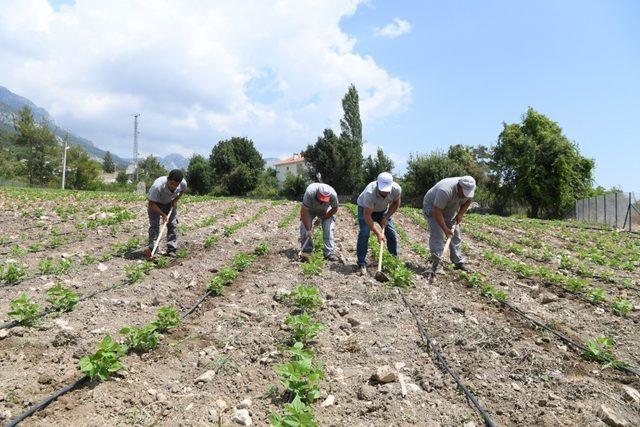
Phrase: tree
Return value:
(374, 166)
(294, 186)
(150, 169)
(107, 163)
(540, 166)
(39, 146)
(339, 159)
(235, 166)
(199, 175)
(82, 172)
(267, 184)
(424, 171)
(122, 178)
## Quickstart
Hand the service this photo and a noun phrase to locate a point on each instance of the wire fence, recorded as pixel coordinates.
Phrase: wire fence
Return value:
(618, 210)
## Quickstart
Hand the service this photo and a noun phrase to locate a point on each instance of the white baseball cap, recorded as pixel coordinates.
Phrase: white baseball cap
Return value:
(385, 182)
(468, 185)
(324, 193)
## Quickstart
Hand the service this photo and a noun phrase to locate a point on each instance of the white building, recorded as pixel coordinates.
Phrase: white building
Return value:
(293, 165)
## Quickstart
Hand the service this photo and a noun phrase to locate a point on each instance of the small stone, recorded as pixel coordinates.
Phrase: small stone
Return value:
(192, 284)
(175, 388)
(213, 415)
(5, 415)
(516, 387)
(385, 374)
(248, 312)
(221, 405)
(329, 401)
(153, 392)
(175, 274)
(102, 267)
(45, 379)
(542, 403)
(514, 353)
(3, 333)
(206, 377)
(630, 394)
(353, 322)
(548, 297)
(469, 424)
(237, 241)
(189, 407)
(245, 404)
(161, 397)
(553, 396)
(242, 417)
(343, 311)
(366, 392)
(357, 302)
(610, 418)
(457, 309)
(415, 388)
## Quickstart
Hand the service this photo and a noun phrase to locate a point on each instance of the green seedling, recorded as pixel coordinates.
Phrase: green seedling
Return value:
(181, 253)
(134, 273)
(35, 247)
(296, 414)
(400, 276)
(301, 376)
(227, 275)
(65, 265)
(166, 318)
(621, 306)
(313, 267)
(601, 350)
(141, 339)
(243, 261)
(46, 266)
(627, 282)
(261, 249)
(161, 261)
(105, 361)
(303, 328)
(305, 297)
(216, 286)
(62, 299)
(211, 240)
(24, 310)
(11, 273)
(576, 285)
(596, 295)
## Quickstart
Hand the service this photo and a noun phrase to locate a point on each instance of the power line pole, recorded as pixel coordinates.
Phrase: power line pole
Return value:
(64, 159)
(135, 147)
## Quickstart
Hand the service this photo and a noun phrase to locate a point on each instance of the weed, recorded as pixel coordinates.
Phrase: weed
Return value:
(627, 282)
(105, 361)
(141, 339)
(24, 310)
(62, 299)
(166, 318)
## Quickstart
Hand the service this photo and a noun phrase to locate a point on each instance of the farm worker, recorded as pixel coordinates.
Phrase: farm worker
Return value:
(378, 202)
(443, 206)
(319, 201)
(163, 196)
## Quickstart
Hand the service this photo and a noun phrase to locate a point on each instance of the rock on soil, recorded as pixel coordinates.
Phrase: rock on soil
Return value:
(242, 417)
(366, 392)
(630, 394)
(385, 374)
(610, 417)
(206, 377)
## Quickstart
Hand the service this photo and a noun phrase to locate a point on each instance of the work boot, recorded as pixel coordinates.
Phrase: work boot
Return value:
(331, 257)
(171, 252)
(147, 253)
(462, 266)
(362, 270)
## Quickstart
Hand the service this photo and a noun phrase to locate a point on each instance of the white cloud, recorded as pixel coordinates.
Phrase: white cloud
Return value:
(394, 29)
(196, 71)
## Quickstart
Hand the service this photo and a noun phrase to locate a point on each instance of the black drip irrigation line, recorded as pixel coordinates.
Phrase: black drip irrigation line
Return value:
(81, 381)
(572, 343)
(443, 362)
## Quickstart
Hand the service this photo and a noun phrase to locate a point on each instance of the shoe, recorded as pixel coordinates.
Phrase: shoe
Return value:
(362, 270)
(171, 252)
(462, 266)
(147, 253)
(331, 257)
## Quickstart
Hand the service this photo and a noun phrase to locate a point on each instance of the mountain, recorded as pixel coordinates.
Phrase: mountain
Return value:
(11, 104)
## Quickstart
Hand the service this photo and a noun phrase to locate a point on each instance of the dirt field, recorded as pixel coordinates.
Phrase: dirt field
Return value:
(520, 373)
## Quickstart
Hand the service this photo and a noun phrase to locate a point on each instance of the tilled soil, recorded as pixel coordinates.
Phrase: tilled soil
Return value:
(521, 375)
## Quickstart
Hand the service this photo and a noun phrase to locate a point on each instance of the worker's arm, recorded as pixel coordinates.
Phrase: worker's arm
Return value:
(174, 202)
(369, 221)
(437, 214)
(392, 209)
(331, 212)
(304, 217)
(462, 211)
(155, 208)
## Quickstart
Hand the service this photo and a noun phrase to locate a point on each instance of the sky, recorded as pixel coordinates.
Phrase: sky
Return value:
(429, 74)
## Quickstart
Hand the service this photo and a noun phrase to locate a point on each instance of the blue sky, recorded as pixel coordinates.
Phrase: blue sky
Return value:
(442, 73)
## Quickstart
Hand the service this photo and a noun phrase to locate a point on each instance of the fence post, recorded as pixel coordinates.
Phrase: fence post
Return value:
(596, 208)
(589, 209)
(604, 202)
(629, 210)
(616, 193)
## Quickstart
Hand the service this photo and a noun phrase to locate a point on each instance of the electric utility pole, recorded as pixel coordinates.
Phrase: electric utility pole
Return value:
(135, 147)
(64, 159)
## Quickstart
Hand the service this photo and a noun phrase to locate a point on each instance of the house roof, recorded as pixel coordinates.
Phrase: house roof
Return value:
(296, 158)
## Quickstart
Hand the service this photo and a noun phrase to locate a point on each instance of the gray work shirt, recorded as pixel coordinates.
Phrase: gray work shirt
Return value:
(315, 206)
(444, 195)
(370, 198)
(159, 191)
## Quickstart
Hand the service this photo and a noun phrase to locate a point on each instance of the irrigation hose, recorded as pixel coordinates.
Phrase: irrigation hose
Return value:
(426, 337)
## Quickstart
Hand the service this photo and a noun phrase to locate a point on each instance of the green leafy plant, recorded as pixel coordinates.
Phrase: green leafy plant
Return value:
(134, 273)
(601, 350)
(296, 414)
(88, 260)
(301, 376)
(141, 339)
(11, 273)
(62, 299)
(305, 297)
(227, 275)
(166, 318)
(216, 286)
(596, 295)
(46, 266)
(621, 306)
(313, 267)
(262, 249)
(65, 265)
(243, 261)
(161, 261)
(303, 327)
(181, 253)
(105, 361)
(17, 251)
(576, 285)
(211, 240)
(24, 310)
